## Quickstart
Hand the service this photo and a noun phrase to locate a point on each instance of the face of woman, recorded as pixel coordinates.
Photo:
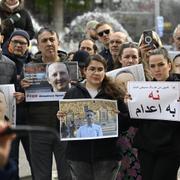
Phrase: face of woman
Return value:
(3, 105)
(130, 56)
(11, 2)
(95, 73)
(159, 67)
(176, 65)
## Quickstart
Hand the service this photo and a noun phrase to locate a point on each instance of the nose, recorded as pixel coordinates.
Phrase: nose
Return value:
(130, 59)
(49, 42)
(58, 76)
(156, 68)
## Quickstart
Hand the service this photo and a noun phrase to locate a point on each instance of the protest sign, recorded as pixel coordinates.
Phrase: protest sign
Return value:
(154, 100)
(93, 119)
(8, 103)
(49, 82)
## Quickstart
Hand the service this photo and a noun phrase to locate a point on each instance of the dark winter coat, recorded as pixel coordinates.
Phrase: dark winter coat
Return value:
(9, 171)
(12, 21)
(99, 149)
(105, 53)
(158, 136)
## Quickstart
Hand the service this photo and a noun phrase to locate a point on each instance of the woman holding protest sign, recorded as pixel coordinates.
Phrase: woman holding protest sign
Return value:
(96, 159)
(157, 141)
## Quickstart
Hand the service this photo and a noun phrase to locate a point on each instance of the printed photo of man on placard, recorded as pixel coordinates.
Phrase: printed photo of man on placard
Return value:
(49, 82)
(93, 119)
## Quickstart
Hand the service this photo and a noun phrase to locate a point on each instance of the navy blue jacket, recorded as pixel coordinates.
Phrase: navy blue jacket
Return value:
(9, 171)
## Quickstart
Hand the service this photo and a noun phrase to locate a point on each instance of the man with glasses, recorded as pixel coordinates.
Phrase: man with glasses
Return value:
(16, 49)
(103, 32)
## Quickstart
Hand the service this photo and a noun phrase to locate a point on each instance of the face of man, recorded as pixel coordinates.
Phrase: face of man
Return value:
(18, 45)
(58, 77)
(177, 39)
(103, 33)
(87, 45)
(90, 117)
(48, 44)
(115, 41)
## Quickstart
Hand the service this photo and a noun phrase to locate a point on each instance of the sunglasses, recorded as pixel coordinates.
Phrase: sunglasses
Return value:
(102, 33)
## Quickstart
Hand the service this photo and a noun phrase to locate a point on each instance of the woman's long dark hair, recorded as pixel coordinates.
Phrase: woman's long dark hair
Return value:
(108, 85)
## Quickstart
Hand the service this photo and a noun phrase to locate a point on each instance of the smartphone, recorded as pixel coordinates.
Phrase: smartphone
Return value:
(25, 129)
(148, 38)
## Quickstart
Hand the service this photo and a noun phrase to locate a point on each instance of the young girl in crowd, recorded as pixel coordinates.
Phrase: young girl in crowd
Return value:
(96, 159)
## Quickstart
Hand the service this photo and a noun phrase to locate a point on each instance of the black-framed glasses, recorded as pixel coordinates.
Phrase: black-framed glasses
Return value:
(16, 42)
(106, 32)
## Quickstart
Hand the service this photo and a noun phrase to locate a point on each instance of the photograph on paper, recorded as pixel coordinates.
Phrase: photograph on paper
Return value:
(88, 119)
(154, 100)
(129, 73)
(8, 103)
(49, 82)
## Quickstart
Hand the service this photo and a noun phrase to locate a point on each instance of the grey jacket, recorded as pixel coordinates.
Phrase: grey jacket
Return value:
(7, 71)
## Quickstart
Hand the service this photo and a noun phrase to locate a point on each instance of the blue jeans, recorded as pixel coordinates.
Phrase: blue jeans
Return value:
(99, 170)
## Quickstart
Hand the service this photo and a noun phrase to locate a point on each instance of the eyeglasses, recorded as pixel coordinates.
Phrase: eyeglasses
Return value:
(16, 42)
(94, 69)
(105, 32)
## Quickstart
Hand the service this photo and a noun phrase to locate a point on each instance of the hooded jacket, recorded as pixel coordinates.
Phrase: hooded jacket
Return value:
(99, 149)
(18, 18)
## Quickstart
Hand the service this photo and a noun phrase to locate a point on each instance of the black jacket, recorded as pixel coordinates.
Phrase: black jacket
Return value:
(158, 136)
(100, 149)
(105, 53)
(24, 22)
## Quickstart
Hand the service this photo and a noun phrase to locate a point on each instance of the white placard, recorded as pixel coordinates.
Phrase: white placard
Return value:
(7, 92)
(154, 100)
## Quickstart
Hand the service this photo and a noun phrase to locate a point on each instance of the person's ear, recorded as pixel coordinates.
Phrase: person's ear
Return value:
(170, 66)
(1, 38)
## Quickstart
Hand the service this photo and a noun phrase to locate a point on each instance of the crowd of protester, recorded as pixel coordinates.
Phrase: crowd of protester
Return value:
(143, 150)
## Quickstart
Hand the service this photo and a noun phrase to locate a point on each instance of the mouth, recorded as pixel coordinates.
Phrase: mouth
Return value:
(50, 49)
(157, 75)
(115, 49)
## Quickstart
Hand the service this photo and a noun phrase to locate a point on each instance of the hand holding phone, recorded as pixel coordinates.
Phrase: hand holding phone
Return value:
(148, 38)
